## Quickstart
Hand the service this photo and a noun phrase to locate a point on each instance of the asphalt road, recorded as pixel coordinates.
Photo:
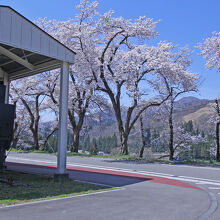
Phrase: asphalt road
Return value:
(137, 199)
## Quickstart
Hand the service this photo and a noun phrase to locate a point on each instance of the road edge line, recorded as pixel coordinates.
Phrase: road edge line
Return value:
(212, 208)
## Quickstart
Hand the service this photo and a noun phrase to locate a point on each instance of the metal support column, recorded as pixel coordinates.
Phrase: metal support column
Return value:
(63, 114)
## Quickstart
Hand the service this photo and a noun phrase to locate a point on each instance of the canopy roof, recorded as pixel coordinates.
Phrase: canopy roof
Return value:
(25, 49)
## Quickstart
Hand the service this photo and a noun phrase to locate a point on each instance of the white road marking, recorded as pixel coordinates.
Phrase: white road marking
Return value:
(87, 166)
(99, 184)
(213, 188)
(196, 167)
(169, 176)
(180, 165)
(196, 178)
(208, 183)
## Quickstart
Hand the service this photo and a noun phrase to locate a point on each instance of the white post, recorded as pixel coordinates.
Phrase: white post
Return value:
(63, 114)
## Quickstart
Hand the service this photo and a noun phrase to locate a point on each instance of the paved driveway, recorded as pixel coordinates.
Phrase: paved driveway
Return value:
(136, 199)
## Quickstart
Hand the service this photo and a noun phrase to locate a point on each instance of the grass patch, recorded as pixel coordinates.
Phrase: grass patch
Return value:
(75, 154)
(30, 151)
(30, 187)
(102, 156)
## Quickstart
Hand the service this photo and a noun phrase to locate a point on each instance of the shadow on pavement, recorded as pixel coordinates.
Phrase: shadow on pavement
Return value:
(107, 179)
(92, 177)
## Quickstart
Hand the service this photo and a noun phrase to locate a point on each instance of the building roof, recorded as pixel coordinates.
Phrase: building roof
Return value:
(25, 49)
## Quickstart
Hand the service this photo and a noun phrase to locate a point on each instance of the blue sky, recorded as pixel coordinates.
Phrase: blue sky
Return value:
(183, 22)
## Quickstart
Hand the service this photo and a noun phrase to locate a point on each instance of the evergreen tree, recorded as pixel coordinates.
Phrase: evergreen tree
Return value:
(115, 143)
(94, 149)
(188, 126)
(87, 143)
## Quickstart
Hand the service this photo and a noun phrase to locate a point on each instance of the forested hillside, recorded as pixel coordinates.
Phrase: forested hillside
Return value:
(100, 130)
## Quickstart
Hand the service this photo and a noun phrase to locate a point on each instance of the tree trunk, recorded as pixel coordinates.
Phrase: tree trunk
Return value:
(142, 137)
(171, 143)
(36, 124)
(34, 119)
(122, 135)
(171, 157)
(76, 127)
(117, 109)
(123, 132)
(35, 137)
(123, 140)
(75, 147)
(171, 130)
(15, 136)
(124, 144)
(47, 138)
(217, 142)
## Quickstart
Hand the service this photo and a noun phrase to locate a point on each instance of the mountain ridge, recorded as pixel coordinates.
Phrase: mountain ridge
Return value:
(185, 109)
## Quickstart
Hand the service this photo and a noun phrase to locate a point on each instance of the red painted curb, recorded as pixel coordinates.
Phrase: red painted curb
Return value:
(150, 178)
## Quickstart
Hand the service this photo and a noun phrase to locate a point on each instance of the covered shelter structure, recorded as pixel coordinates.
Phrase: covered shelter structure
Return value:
(25, 50)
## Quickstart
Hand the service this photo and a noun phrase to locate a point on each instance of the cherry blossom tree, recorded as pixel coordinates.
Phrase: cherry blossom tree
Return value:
(215, 119)
(51, 103)
(30, 92)
(183, 140)
(20, 123)
(82, 94)
(113, 58)
(145, 137)
(165, 112)
(187, 84)
(210, 50)
(83, 101)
